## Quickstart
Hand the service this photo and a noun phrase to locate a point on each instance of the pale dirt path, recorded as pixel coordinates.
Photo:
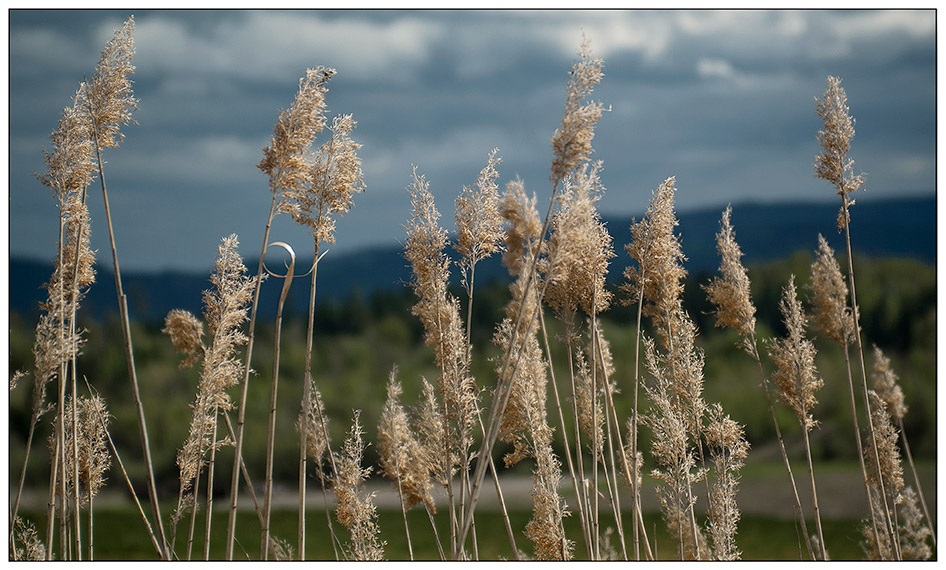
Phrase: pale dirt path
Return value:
(840, 493)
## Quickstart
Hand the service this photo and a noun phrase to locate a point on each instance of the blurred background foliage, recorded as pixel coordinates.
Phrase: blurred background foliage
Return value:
(359, 341)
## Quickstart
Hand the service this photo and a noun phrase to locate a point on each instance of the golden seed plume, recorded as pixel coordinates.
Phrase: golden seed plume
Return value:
(285, 159)
(334, 177)
(833, 164)
(523, 226)
(886, 384)
(357, 514)
(571, 144)
(439, 312)
(888, 453)
(313, 421)
(658, 274)
(730, 292)
(914, 532)
(796, 375)
(32, 548)
(832, 315)
(400, 451)
(225, 308)
(109, 94)
(185, 331)
(728, 450)
(479, 224)
(580, 248)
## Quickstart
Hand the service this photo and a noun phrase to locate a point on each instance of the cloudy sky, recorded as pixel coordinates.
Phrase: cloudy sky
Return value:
(724, 101)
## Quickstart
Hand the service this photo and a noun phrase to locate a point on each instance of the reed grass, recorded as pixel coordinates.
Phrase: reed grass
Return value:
(558, 267)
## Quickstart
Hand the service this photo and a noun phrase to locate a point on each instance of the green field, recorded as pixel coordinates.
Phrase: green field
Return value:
(120, 535)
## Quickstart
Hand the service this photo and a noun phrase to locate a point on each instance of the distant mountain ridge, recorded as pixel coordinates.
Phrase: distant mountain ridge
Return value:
(903, 227)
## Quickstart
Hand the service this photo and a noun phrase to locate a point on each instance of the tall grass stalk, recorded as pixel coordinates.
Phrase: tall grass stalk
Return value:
(732, 298)
(834, 166)
(835, 320)
(886, 385)
(797, 379)
(271, 431)
(571, 146)
(70, 167)
(284, 161)
(110, 100)
(159, 549)
(479, 235)
(334, 176)
(309, 393)
(208, 509)
(225, 306)
(561, 418)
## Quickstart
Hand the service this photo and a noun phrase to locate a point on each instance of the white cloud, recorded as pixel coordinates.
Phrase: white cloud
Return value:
(216, 158)
(714, 68)
(263, 45)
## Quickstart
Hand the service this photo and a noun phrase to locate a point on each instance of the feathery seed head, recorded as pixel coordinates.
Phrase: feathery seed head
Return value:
(730, 291)
(313, 423)
(571, 143)
(436, 457)
(796, 375)
(545, 528)
(285, 160)
(833, 163)
(659, 273)
(280, 549)
(425, 242)
(590, 407)
(887, 386)
(358, 515)
(525, 408)
(32, 548)
(479, 224)
(94, 457)
(439, 311)
(335, 176)
(70, 165)
(109, 95)
(400, 451)
(728, 449)
(580, 248)
(830, 310)
(914, 531)
(85, 445)
(888, 453)
(523, 226)
(225, 308)
(185, 331)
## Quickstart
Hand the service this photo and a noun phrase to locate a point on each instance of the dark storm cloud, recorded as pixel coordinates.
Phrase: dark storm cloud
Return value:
(722, 100)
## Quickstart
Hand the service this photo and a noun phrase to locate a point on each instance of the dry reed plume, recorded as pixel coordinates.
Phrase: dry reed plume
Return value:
(731, 296)
(225, 307)
(560, 261)
(730, 292)
(357, 514)
(402, 457)
(797, 380)
(285, 162)
(524, 421)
